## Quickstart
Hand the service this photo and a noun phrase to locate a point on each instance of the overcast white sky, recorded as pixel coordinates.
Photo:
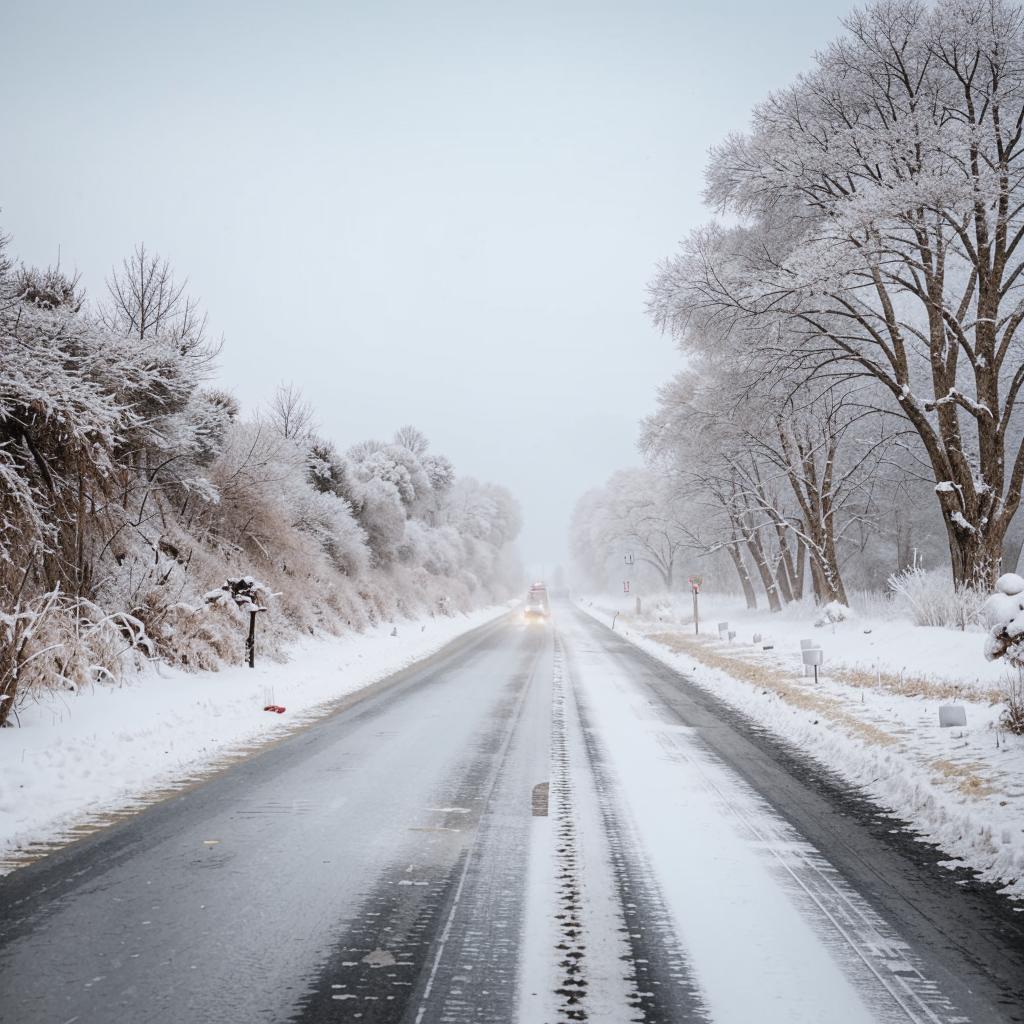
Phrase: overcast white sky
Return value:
(438, 213)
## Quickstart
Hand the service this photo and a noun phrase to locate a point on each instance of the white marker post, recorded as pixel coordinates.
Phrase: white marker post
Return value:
(813, 657)
(629, 561)
(695, 582)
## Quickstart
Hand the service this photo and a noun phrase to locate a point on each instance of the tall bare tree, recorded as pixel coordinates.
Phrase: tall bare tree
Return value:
(881, 201)
(291, 415)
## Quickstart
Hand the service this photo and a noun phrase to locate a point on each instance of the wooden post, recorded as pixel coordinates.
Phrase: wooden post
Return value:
(250, 641)
(696, 613)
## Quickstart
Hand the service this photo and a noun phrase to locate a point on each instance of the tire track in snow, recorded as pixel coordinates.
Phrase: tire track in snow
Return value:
(473, 975)
(661, 987)
(572, 990)
(902, 990)
(436, 939)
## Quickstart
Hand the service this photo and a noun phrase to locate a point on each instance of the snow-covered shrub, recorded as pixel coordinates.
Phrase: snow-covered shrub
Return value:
(931, 598)
(1003, 616)
(872, 604)
(58, 641)
(832, 613)
(1012, 718)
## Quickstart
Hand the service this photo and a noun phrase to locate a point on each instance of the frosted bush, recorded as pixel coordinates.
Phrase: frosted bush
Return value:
(931, 599)
(59, 641)
(832, 613)
(1003, 616)
(872, 604)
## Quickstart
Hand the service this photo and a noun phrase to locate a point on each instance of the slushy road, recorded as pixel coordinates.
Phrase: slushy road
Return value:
(540, 823)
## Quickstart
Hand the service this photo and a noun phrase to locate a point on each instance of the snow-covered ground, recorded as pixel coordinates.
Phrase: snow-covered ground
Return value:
(79, 758)
(873, 716)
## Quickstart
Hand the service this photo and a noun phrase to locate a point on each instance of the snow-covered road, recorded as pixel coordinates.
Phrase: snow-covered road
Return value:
(756, 923)
(543, 824)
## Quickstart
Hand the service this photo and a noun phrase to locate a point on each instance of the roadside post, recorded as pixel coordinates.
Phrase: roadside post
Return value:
(695, 583)
(629, 561)
(807, 645)
(248, 596)
(250, 640)
(813, 657)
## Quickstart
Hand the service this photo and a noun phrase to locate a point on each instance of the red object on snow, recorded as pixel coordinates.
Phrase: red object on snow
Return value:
(275, 707)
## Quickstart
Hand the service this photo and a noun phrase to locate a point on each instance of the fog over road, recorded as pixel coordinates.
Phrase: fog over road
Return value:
(538, 824)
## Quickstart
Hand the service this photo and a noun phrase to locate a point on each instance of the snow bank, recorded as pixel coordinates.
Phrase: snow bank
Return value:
(78, 756)
(860, 643)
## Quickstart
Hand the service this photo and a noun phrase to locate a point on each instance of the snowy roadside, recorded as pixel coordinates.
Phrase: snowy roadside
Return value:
(79, 759)
(733, 878)
(873, 719)
(890, 649)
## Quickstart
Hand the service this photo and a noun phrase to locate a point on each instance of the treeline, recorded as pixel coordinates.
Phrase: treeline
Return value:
(851, 404)
(130, 488)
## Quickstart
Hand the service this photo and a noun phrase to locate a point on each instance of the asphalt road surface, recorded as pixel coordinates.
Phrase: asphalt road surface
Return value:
(541, 823)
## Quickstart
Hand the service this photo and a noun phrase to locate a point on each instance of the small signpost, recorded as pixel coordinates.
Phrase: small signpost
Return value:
(248, 596)
(695, 585)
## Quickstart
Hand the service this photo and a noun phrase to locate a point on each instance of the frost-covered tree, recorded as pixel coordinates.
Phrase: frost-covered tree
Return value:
(129, 489)
(145, 301)
(637, 512)
(880, 220)
(290, 414)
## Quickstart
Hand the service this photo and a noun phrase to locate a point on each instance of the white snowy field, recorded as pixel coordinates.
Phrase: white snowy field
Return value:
(79, 757)
(873, 716)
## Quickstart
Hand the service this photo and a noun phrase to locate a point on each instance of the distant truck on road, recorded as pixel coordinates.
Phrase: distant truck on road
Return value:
(537, 608)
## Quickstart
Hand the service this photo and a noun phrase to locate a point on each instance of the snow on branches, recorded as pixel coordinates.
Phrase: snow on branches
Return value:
(877, 209)
(129, 491)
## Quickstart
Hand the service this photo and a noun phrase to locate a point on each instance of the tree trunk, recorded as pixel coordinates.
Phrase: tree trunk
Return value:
(801, 565)
(1011, 551)
(831, 578)
(976, 556)
(764, 570)
(782, 575)
(787, 571)
(736, 554)
(817, 582)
